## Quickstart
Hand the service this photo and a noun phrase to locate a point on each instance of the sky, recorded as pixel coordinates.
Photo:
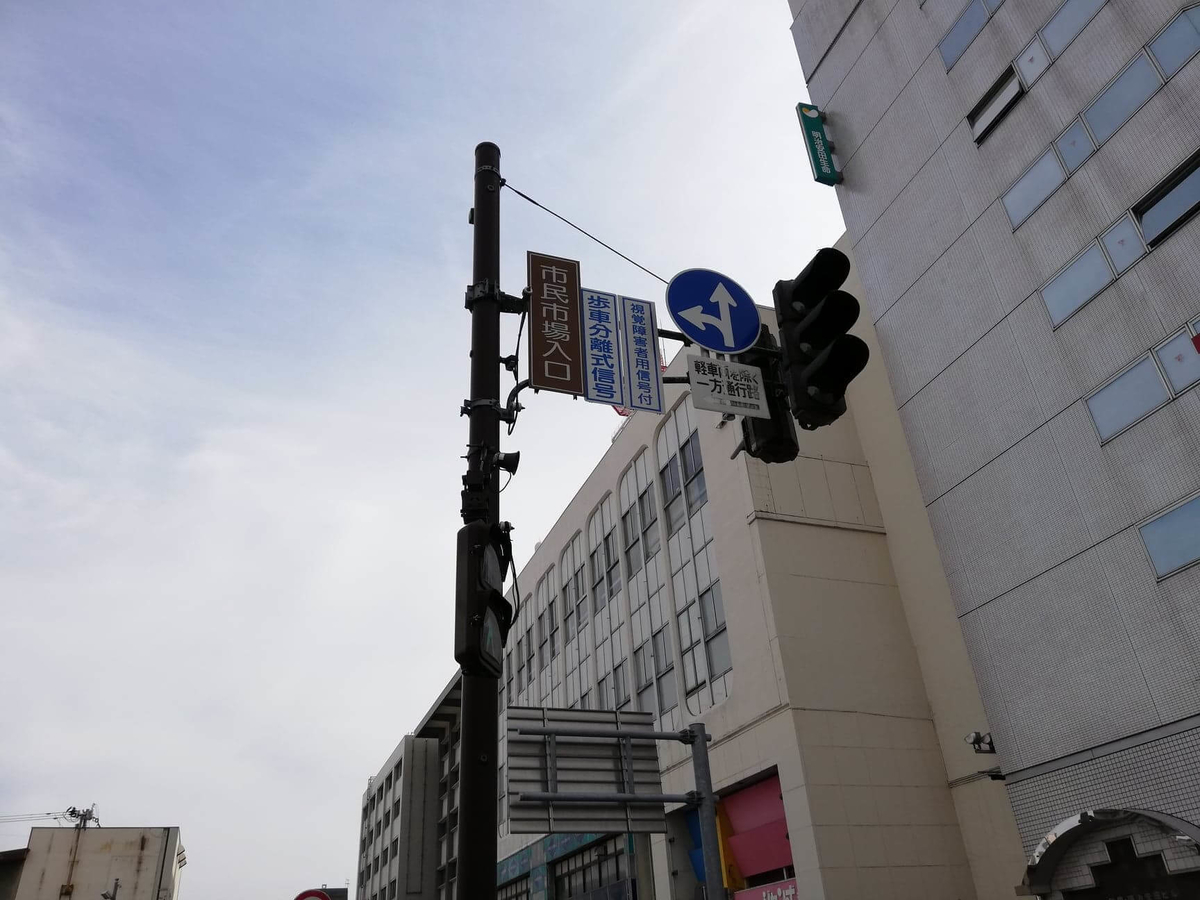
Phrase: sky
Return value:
(233, 251)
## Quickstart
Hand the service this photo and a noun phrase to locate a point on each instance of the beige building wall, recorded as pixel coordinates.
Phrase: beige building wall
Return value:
(146, 860)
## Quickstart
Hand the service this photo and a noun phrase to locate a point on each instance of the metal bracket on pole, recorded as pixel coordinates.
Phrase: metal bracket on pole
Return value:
(485, 290)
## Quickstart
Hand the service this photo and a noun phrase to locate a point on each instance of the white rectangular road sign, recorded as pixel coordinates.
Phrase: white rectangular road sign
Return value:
(639, 354)
(727, 387)
(603, 380)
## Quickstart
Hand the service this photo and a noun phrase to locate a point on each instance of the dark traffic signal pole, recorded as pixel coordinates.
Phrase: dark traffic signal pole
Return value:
(481, 503)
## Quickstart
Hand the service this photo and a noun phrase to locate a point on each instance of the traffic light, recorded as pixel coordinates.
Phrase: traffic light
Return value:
(772, 440)
(482, 615)
(819, 358)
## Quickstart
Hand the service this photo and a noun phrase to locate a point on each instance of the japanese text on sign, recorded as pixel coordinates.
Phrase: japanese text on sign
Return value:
(556, 361)
(639, 338)
(603, 381)
(727, 387)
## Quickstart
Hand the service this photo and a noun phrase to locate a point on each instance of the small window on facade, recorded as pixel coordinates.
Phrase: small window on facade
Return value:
(1078, 283)
(1121, 99)
(553, 620)
(673, 491)
(1173, 539)
(621, 683)
(1124, 244)
(1039, 182)
(965, 30)
(1179, 41)
(1133, 394)
(1075, 145)
(999, 99)
(649, 516)
(1065, 24)
(1033, 61)
(1171, 205)
(1180, 361)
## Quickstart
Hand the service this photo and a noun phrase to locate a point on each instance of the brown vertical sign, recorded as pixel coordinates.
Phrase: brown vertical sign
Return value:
(555, 325)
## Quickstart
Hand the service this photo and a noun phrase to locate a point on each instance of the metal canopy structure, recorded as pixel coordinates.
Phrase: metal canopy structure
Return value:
(575, 770)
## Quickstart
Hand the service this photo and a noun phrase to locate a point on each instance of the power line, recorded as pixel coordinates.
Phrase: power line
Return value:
(504, 183)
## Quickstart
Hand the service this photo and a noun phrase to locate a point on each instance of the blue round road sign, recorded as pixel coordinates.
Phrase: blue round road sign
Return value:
(713, 310)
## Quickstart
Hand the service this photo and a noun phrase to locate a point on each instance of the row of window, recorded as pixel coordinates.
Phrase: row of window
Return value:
(1157, 63)
(381, 859)
(591, 869)
(1156, 378)
(1047, 45)
(685, 492)
(388, 894)
(386, 787)
(965, 29)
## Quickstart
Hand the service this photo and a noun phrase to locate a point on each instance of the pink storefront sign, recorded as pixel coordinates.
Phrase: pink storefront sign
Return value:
(780, 890)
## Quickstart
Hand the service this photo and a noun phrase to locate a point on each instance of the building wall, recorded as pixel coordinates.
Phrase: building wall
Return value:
(147, 860)
(1075, 642)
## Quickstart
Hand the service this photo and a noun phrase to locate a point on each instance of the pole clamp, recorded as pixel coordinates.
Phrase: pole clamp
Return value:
(487, 292)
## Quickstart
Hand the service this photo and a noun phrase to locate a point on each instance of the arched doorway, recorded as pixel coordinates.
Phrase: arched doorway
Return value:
(1113, 854)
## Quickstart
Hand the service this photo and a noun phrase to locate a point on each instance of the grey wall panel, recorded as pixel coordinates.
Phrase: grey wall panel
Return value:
(954, 560)
(818, 23)
(940, 316)
(1167, 278)
(989, 678)
(1060, 651)
(981, 405)
(886, 162)
(978, 185)
(908, 238)
(1157, 775)
(947, 106)
(1137, 473)
(1056, 378)
(1163, 622)
(1016, 517)
(860, 29)
(1064, 224)
(877, 78)
(1008, 262)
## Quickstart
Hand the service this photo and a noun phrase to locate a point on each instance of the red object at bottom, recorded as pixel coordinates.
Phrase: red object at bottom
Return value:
(1196, 343)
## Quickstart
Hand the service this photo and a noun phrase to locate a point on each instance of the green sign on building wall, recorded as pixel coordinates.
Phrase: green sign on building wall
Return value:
(820, 153)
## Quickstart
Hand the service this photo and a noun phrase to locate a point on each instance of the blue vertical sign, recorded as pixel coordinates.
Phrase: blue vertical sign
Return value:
(602, 381)
(639, 355)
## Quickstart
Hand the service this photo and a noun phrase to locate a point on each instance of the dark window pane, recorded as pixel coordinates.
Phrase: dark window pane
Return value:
(1122, 98)
(1180, 361)
(1075, 145)
(1068, 22)
(1175, 46)
(668, 693)
(1129, 397)
(676, 515)
(1173, 540)
(1032, 188)
(1124, 244)
(1176, 205)
(697, 492)
(718, 654)
(965, 30)
(1077, 284)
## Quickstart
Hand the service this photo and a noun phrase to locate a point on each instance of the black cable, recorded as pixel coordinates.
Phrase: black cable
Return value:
(517, 350)
(504, 183)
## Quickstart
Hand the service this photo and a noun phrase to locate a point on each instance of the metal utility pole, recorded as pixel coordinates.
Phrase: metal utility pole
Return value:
(714, 883)
(480, 735)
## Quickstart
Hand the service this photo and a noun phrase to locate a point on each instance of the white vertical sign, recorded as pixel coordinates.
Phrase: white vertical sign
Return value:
(602, 376)
(639, 354)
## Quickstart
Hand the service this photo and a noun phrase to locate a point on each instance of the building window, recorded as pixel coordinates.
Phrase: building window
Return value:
(387, 818)
(1074, 146)
(648, 513)
(514, 890)
(633, 541)
(1178, 42)
(396, 808)
(1031, 189)
(604, 693)
(529, 655)
(508, 672)
(585, 700)
(621, 684)
(999, 99)
(388, 782)
(1172, 204)
(595, 867)
(501, 806)
(392, 889)
(1132, 395)
(673, 492)
(690, 635)
(664, 669)
(716, 638)
(1179, 360)
(965, 29)
(1066, 24)
(693, 473)
(1123, 244)
(643, 670)
(543, 642)
(1172, 539)
(395, 844)
(1120, 100)
(520, 664)
(1083, 278)
(553, 620)
(384, 858)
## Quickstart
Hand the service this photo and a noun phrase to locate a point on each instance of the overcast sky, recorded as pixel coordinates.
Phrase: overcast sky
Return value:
(233, 249)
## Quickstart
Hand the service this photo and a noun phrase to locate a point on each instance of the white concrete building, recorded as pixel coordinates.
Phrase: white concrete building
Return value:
(800, 612)
(125, 863)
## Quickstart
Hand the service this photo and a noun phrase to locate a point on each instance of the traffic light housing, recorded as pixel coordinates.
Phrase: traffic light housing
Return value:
(819, 358)
(772, 440)
(482, 615)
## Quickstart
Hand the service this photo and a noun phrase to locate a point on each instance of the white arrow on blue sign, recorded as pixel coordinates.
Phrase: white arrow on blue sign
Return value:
(713, 310)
